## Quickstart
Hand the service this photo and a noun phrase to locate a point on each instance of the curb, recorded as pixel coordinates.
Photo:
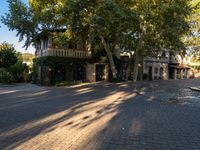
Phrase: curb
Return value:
(195, 89)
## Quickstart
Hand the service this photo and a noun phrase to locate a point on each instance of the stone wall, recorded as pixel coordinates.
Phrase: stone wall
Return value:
(91, 72)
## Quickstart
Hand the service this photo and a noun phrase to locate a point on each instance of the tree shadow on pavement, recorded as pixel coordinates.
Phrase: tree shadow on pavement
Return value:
(26, 114)
(99, 116)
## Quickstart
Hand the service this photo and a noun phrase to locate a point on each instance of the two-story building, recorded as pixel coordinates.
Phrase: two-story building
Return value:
(57, 63)
(164, 66)
(157, 67)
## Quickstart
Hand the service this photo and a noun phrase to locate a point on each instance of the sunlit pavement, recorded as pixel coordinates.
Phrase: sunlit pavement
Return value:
(147, 115)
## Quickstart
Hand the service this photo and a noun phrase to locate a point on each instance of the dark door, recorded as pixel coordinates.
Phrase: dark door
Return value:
(80, 73)
(100, 75)
(60, 72)
(150, 73)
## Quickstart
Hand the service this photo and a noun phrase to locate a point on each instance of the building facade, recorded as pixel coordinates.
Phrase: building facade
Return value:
(56, 64)
(164, 66)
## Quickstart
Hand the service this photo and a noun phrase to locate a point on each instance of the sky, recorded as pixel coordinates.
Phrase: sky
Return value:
(10, 36)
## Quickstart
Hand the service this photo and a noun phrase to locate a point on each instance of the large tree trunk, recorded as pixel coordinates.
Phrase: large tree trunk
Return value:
(110, 57)
(135, 66)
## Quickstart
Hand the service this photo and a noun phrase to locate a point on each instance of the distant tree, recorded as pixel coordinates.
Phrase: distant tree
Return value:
(27, 57)
(21, 19)
(192, 39)
(18, 69)
(8, 55)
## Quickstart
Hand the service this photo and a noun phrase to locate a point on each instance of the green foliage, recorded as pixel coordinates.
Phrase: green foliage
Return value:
(27, 57)
(53, 61)
(27, 77)
(192, 39)
(18, 71)
(64, 40)
(21, 19)
(137, 25)
(8, 55)
(130, 23)
(5, 77)
(15, 70)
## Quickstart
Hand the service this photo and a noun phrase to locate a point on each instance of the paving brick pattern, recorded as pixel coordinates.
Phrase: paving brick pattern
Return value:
(100, 116)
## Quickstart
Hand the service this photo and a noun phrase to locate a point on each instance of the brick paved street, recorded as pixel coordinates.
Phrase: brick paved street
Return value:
(156, 115)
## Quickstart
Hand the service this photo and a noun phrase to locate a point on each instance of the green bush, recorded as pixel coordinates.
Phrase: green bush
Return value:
(17, 71)
(66, 83)
(27, 77)
(5, 77)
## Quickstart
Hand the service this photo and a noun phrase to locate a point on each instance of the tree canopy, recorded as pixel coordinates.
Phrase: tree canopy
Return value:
(8, 55)
(192, 40)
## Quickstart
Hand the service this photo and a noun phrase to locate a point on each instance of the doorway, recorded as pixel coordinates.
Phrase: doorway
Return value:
(100, 72)
(60, 72)
(150, 73)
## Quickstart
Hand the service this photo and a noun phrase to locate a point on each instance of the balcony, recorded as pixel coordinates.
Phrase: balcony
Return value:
(63, 53)
(157, 59)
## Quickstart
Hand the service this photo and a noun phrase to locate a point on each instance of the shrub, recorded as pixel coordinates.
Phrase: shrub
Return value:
(5, 77)
(27, 77)
(66, 83)
(18, 71)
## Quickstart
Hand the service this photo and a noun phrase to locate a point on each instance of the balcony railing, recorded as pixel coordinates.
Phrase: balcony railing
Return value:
(63, 53)
(158, 59)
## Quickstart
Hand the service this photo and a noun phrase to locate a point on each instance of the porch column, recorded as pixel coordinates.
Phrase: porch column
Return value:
(91, 72)
(153, 69)
(181, 73)
(42, 44)
(50, 41)
(175, 74)
(187, 74)
(42, 48)
(106, 72)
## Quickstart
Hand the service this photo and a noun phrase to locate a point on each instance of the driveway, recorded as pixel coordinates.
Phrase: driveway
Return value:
(162, 115)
